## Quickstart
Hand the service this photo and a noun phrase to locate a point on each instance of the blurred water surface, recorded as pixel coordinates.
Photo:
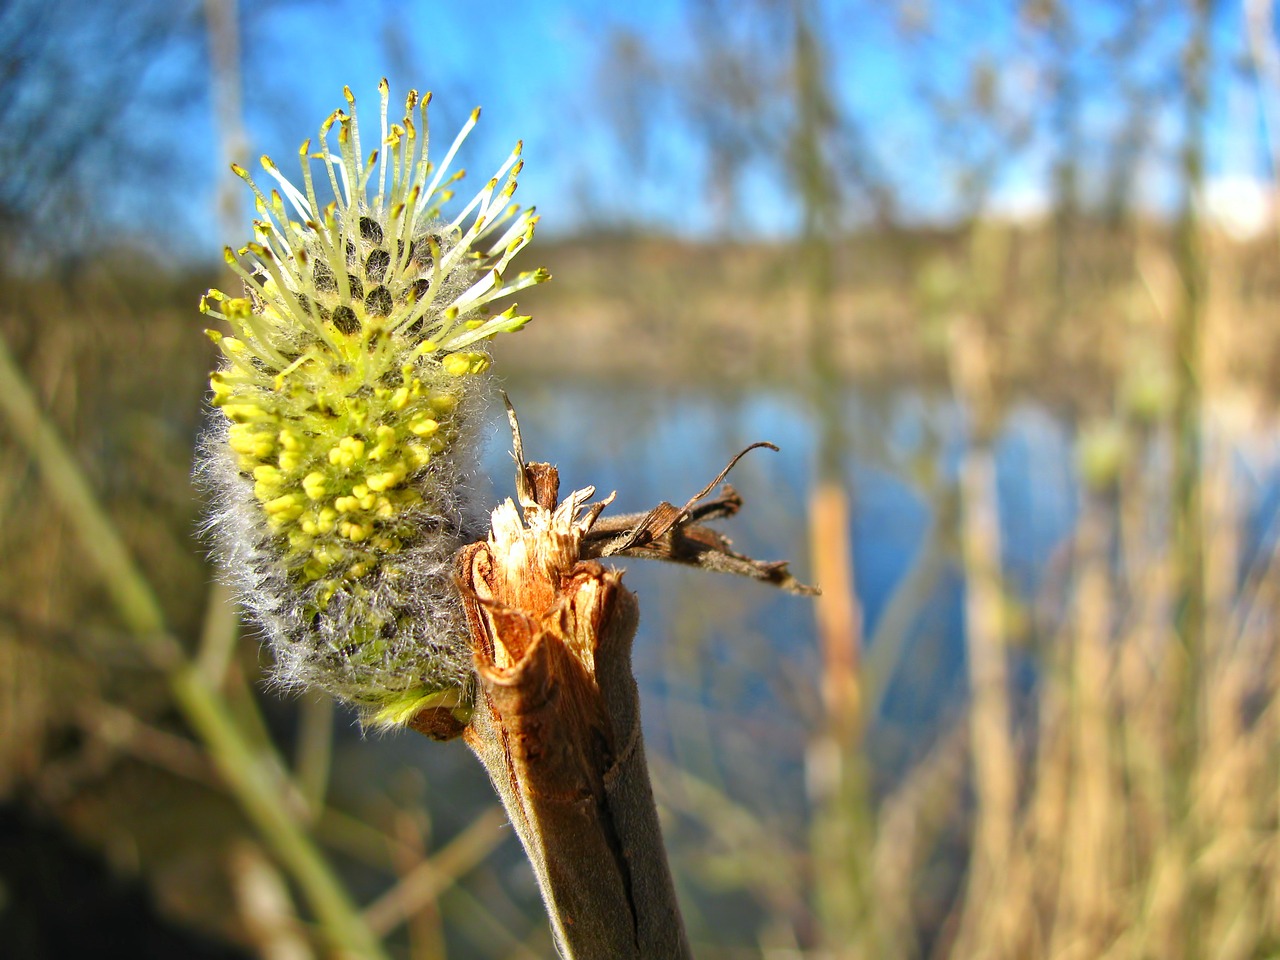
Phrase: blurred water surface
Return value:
(729, 669)
(745, 649)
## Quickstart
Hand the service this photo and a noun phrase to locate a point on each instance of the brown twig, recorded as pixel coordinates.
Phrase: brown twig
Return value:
(556, 721)
(557, 726)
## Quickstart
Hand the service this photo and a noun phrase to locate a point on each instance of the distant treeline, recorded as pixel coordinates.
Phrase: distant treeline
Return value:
(1070, 325)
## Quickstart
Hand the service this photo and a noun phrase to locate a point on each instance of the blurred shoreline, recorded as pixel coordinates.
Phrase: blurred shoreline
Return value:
(671, 311)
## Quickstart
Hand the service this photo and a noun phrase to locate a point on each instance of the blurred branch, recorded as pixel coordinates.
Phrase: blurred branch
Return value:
(314, 751)
(123, 731)
(71, 72)
(66, 484)
(249, 770)
(437, 873)
(1188, 412)
(218, 634)
(223, 29)
(991, 734)
(746, 848)
(889, 640)
(731, 97)
(266, 907)
(1260, 28)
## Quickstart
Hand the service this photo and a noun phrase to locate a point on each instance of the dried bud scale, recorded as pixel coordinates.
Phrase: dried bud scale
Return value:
(346, 404)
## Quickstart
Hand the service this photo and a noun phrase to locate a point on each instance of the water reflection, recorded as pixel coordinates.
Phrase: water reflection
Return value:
(740, 648)
(900, 465)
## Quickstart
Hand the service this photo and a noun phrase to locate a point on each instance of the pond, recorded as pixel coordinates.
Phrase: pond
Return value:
(729, 669)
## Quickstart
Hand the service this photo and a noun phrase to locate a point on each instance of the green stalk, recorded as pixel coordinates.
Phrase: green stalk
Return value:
(1189, 349)
(842, 835)
(66, 484)
(251, 777)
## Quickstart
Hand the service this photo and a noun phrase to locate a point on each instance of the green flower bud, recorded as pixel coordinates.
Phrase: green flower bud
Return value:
(1102, 451)
(345, 410)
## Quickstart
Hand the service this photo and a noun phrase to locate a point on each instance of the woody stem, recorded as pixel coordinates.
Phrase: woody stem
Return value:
(557, 727)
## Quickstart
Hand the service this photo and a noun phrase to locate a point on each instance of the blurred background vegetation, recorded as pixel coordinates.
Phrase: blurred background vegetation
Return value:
(1000, 277)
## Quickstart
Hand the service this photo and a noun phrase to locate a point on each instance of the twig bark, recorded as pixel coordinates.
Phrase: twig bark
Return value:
(556, 719)
(557, 726)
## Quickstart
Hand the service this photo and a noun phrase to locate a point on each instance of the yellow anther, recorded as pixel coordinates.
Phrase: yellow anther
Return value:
(359, 491)
(386, 442)
(400, 399)
(347, 452)
(313, 485)
(221, 389)
(288, 506)
(327, 553)
(457, 364)
(424, 427)
(249, 440)
(244, 412)
(327, 520)
(355, 532)
(387, 479)
(242, 437)
(237, 308)
(346, 504)
(418, 455)
(444, 403)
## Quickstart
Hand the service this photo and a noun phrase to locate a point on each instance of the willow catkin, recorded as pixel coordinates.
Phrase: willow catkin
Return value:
(346, 401)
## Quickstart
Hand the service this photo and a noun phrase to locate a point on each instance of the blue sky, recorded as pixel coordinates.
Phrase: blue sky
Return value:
(538, 70)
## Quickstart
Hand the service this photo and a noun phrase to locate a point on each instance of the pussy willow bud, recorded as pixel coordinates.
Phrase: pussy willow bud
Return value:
(346, 408)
